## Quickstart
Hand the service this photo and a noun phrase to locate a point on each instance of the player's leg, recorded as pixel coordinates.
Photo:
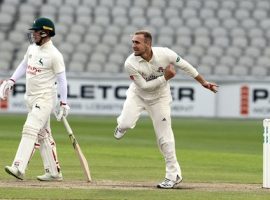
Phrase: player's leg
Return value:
(130, 114)
(24, 151)
(35, 121)
(49, 155)
(161, 116)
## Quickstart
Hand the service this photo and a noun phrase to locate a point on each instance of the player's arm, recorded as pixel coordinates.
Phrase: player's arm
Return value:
(191, 71)
(59, 69)
(180, 63)
(141, 82)
(198, 77)
(7, 85)
(206, 84)
(62, 84)
(63, 107)
(20, 71)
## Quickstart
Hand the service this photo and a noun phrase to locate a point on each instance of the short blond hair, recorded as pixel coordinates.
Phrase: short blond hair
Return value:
(147, 35)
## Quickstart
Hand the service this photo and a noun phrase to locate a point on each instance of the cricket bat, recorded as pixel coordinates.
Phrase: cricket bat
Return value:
(76, 146)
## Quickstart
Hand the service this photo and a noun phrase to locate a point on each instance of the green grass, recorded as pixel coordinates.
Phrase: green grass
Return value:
(209, 151)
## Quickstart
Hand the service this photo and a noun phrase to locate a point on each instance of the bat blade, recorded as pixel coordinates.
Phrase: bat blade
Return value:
(77, 148)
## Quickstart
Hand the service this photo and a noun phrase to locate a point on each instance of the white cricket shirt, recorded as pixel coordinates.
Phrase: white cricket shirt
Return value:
(43, 63)
(148, 80)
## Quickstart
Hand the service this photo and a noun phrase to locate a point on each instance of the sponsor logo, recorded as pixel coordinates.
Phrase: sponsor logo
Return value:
(106, 92)
(32, 70)
(151, 77)
(178, 59)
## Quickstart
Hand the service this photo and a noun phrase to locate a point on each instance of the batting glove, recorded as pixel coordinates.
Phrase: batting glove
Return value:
(5, 88)
(63, 111)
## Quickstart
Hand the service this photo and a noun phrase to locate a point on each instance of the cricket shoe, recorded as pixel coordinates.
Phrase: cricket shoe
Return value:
(14, 171)
(119, 133)
(49, 177)
(169, 184)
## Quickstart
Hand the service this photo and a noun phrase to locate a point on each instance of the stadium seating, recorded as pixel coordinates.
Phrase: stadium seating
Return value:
(219, 37)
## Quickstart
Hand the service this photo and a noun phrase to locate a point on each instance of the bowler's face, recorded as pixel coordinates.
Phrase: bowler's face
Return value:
(138, 45)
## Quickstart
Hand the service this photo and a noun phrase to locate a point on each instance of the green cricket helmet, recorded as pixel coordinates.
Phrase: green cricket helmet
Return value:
(45, 24)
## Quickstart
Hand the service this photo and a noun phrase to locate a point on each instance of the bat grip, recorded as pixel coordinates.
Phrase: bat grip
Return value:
(68, 128)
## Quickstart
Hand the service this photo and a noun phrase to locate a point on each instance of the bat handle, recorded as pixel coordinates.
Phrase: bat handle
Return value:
(69, 130)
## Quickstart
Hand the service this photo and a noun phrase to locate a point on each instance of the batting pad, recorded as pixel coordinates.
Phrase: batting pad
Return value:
(25, 149)
(49, 156)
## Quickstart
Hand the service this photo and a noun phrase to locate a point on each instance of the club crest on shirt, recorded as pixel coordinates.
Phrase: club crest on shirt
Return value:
(40, 61)
(160, 69)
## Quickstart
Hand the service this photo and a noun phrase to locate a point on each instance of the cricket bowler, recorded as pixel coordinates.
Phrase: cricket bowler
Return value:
(44, 67)
(150, 69)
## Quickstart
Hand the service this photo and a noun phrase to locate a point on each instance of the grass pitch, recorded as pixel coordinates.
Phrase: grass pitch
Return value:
(220, 159)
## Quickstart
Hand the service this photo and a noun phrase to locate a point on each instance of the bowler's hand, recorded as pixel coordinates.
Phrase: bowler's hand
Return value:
(210, 86)
(169, 72)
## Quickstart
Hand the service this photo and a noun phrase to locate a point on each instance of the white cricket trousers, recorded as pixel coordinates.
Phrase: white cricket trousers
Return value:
(35, 128)
(159, 111)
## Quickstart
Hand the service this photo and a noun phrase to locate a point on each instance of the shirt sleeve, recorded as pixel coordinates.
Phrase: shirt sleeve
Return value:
(20, 70)
(22, 67)
(181, 63)
(141, 82)
(62, 81)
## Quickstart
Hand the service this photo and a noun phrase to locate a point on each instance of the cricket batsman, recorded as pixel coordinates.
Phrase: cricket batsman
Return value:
(44, 68)
(150, 69)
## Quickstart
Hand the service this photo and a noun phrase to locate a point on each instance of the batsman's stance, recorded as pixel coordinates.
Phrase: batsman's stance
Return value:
(151, 68)
(43, 65)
